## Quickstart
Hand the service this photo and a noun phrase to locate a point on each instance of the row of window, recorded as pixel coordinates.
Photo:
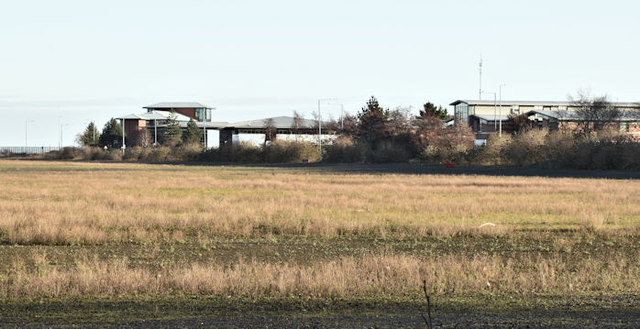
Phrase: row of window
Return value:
(462, 110)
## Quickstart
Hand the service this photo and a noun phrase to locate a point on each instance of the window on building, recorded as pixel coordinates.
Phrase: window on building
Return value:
(199, 114)
(461, 111)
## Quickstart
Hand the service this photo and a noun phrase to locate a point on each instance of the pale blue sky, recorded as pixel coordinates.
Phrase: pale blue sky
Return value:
(71, 62)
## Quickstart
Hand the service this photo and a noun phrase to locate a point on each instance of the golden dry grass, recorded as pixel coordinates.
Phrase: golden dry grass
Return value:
(378, 276)
(62, 203)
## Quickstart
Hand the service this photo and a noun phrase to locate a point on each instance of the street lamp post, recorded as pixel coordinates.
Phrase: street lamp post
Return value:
(26, 122)
(64, 125)
(155, 132)
(123, 145)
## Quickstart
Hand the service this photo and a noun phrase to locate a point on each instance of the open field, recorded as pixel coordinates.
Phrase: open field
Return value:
(312, 243)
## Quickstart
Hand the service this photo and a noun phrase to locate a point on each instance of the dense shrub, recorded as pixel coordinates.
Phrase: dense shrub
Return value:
(291, 152)
(560, 149)
(66, 153)
(344, 150)
(94, 153)
(492, 153)
(183, 153)
(241, 153)
(526, 148)
(434, 155)
(388, 151)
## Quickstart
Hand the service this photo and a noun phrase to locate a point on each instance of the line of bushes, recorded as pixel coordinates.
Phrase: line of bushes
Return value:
(547, 149)
(531, 148)
(275, 152)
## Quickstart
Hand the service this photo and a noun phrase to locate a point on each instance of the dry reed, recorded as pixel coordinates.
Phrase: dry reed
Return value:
(378, 276)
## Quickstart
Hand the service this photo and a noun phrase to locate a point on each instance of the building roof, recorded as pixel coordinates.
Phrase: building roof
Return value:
(573, 115)
(210, 125)
(155, 115)
(131, 117)
(177, 105)
(532, 103)
(282, 122)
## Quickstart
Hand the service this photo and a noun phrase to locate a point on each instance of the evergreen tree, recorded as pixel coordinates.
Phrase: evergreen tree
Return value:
(90, 136)
(172, 134)
(430, 110)
(111, 136)
(193, 133)
(372, 121)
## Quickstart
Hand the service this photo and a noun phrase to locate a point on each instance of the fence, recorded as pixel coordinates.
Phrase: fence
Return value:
(27, 150)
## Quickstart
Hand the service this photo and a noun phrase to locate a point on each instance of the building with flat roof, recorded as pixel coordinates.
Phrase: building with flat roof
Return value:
(196, 111)
(284, 128)
(155, 120)
(216, 133)
(487, 117)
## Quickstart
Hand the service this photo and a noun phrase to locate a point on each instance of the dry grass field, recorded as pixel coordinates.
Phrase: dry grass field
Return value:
(122, 232)
(62, 203)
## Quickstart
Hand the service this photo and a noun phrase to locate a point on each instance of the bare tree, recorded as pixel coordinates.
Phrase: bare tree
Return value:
(316, 120)
(348, 125)
(298, 122)
(269, 130)
(521, 122)
(594, 112)
(142, 138)
(399, 121)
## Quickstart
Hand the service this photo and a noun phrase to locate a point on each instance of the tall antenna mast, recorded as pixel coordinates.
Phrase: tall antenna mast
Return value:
(480, 77)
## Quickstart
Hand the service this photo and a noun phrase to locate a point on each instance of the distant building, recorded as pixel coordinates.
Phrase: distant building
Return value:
(157, 115)
(193, 110)
(217, 133)
(486, 116)
(283, 128)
